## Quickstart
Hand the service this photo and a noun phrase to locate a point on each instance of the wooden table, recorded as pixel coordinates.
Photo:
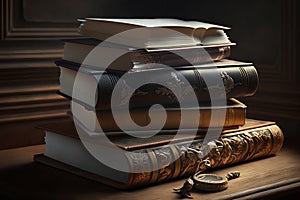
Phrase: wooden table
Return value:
(21, 178)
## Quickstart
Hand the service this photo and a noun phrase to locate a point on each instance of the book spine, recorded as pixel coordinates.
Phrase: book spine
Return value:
(228, 149)
(181, 57)
(237, 82)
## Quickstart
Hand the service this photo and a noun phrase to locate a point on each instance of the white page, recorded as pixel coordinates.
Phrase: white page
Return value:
(160, 22)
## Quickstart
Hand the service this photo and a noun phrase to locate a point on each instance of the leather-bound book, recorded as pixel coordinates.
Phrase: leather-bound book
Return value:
(223, 79)
(64, 150)
(232, 114)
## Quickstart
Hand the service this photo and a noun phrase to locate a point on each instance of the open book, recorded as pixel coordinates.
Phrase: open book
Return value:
(158, 33)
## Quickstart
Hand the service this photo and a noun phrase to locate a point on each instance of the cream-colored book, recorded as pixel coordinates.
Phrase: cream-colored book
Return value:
(156, 33)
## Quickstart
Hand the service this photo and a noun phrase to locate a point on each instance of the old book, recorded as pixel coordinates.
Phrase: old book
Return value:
(239, 79)
(181, 33)
(234, 115)
(65, 151)
(76, 50)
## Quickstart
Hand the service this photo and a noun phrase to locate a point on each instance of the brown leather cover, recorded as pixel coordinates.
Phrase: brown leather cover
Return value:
(254, 140)
(234, 111)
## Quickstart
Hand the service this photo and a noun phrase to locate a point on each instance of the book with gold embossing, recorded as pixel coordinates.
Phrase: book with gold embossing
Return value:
(64, 150)
(94, 88)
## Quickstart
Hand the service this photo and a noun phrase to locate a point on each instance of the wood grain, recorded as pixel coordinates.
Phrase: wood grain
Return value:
(270, 178)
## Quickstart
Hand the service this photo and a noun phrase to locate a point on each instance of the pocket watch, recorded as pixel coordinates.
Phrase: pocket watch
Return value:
(206, 182)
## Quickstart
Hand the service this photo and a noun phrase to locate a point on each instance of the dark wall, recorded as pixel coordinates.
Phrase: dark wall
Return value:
(265, 32)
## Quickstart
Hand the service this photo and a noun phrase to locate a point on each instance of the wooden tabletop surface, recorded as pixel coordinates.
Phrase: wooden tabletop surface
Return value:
(21, 178)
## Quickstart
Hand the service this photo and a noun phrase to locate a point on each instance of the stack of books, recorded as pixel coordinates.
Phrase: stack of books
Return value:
(193, 51)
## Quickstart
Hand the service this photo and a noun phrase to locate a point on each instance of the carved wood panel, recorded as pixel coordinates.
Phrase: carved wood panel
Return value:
(18, 27)
(278, 96)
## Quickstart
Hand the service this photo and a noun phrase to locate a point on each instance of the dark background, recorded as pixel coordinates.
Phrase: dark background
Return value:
(30, 40)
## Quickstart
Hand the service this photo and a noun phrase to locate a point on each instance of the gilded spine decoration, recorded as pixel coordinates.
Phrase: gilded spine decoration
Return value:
(228, 149)
(237, 81)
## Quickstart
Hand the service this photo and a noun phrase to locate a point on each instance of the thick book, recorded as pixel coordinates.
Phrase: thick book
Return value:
(77, 50)
(156, 33)
(233, 114)
(65, 151)
(233, 79)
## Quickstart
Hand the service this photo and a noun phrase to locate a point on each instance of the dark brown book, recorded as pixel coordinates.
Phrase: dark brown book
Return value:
(65, 151)
(233, 114)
